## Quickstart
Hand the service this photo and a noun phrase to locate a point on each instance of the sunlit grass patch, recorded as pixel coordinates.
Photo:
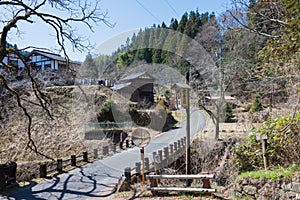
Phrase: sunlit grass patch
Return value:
(272, 174)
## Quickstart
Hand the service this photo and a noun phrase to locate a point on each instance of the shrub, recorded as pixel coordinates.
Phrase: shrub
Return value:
(229, 117)
(283, 144)
(105, 113)
(256, 105)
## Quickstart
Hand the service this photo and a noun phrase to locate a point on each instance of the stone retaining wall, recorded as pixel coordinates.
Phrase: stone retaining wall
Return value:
(267, 189)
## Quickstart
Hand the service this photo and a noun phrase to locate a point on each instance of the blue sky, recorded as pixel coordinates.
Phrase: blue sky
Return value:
(127, 15)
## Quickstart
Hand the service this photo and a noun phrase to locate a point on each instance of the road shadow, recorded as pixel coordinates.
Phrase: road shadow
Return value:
(65, 186)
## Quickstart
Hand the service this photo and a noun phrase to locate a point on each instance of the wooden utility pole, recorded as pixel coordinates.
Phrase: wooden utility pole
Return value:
(188, 139)
(185, 102)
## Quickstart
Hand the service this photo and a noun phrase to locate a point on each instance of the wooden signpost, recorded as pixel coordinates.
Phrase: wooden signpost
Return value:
(263, 139)
(141, 138)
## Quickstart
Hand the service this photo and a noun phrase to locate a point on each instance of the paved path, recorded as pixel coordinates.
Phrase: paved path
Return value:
(96, 180)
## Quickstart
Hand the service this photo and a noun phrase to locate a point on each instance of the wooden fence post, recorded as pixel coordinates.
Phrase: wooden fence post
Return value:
(127, 143)
(175, 147)
(59, 166)
(155, 161)
(166, 153)
(113, 148)
(2, 178)
(95, 153)
(183, 141)
(43, 170)
(166, 156)
(179, 145)
(160, 155)
(73, 160)
(171, 153)
(138, 168)
(127, 173)
(105, 150)
(171, 149)
(206, 182)
(85, 156)
(153, 183)
(147, 164)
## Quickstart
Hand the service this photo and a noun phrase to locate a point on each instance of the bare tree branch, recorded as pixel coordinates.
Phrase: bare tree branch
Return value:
(13, 13)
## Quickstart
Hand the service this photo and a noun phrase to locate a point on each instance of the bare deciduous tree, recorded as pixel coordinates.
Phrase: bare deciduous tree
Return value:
(16, 12)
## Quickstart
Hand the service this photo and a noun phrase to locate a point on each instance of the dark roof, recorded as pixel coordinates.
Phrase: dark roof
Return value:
(120, 86)
(134, 76)
(181, 85)
(48, 55)
(52, 56)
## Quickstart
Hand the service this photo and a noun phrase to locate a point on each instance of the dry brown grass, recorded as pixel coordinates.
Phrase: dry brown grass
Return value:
(59, 137)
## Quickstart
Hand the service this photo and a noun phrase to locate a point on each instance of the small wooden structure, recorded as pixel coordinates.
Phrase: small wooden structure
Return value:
(205, 177)
(137, 87)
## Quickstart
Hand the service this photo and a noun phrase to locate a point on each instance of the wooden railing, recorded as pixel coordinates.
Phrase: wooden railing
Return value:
(59, 165)
(162, 158)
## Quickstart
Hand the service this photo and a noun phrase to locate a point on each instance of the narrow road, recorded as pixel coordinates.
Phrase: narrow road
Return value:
(97, 179)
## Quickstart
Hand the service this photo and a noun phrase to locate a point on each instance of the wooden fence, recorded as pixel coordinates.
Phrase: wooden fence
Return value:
(59, 165)
(161, 159)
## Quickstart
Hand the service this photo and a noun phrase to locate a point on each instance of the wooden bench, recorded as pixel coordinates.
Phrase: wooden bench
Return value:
(205, 177)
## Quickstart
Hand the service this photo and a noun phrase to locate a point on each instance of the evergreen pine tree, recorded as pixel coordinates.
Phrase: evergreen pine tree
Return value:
(256, 105)
(182, 22)
(88, 68)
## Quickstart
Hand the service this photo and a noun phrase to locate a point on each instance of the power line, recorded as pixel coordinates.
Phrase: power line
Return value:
(148, 11)
(172, 8)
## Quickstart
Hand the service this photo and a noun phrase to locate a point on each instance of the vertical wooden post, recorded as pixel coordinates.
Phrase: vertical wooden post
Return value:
(175, 147)
(147, 164)
(205, 181)
(171, 149)
(138, 168)
(263, 139)
(95, 153)
(187, 139)
(143, 165)
(183, 145)
(121, 145)
(160, 155)
(183, 141)
(59, 167)
(264, 152)
(2, 178)
(153, 183)
(113, 148)
(171, 153)
(156, 161)
(127, 173)
(127, 143)
(105, 150)
(154, 154)
(43, 170)
(85, 156)
(166, 152)
(179, 145)
(166, 155)
(73, 160)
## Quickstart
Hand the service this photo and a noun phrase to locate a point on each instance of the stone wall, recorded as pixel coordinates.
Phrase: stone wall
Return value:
(267, 189)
